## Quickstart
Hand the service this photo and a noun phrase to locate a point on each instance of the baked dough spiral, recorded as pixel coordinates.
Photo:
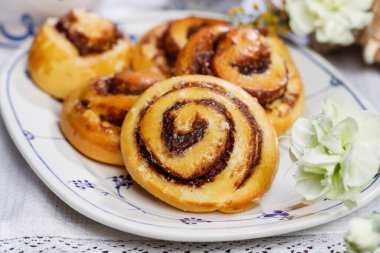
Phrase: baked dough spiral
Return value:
(68, 52)
(200, 144)
(255, 60)
(92, 116)
(158, 49)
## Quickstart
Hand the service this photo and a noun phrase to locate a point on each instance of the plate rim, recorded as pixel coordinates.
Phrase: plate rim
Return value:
(76, 202)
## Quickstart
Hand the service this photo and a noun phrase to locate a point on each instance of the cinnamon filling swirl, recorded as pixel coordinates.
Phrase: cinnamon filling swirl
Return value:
(200, 61)
(92, 117)
(177, 141)
(195, 28)
(89, 33)
(178, 137)
(248, 66)
(126, 83)
(178, 33)
(161, 45)
(241, 55)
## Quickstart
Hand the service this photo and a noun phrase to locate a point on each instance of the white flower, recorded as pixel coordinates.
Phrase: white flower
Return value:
(278, 4)
(337, 152)
(362, 236)
(331, 20)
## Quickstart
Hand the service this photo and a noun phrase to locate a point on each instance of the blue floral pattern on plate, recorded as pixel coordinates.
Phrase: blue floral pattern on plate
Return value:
(193, 221)
(82, 184)
(122, 181)
(11, 40)
(281, 215)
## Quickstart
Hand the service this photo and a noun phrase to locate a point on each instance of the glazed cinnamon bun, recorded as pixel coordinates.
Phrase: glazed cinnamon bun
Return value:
(201, 144)
(92, 116)
(158, 49)
(66, 53)
(255, 60)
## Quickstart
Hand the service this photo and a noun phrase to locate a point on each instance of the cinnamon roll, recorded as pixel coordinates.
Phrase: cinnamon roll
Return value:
(66, 53)
(200, 143)
(92, 116)
(158, 49)
(255, 60)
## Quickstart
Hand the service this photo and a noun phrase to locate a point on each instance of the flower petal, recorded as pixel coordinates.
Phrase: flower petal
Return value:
(339, 191)
(361, 236)
(345, 130)
(339, 136)
(369, 130)
(334, 29)
(357, 18)
(317, 157)
(311, 186)
(318, 8)
(301, 21)
(360, 165)
(338, 108)
(303, 137)
(362, 5)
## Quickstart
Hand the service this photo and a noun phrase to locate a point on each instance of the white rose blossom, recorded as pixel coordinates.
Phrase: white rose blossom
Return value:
(337, 152)
(363, 234)
(332, 20)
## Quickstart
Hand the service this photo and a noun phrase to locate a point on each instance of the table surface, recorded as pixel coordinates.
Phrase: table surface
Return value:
(32, 218)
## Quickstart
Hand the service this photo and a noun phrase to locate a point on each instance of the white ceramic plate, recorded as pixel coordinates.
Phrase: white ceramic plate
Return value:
(107, 195)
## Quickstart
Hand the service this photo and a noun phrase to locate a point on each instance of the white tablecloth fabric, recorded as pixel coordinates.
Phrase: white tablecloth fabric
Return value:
(33, 219)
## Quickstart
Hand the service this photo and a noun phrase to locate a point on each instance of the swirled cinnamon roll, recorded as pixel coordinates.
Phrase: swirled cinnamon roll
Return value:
(92, 116)
(256, 61)
(158, 49)
(66, 53)
(200, 144)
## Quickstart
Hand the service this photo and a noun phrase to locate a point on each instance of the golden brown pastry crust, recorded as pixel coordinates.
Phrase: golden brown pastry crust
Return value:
(147, 53)
(63, 57)
(255, 60)
(200, 144)
(285, 110)
(91, 117)
(158, 49)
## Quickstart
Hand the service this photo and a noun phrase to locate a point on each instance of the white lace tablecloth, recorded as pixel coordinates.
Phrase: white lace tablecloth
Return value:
(33, 219)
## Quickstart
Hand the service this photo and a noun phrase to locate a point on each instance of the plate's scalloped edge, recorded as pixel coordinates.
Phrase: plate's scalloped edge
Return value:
(83, 206)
